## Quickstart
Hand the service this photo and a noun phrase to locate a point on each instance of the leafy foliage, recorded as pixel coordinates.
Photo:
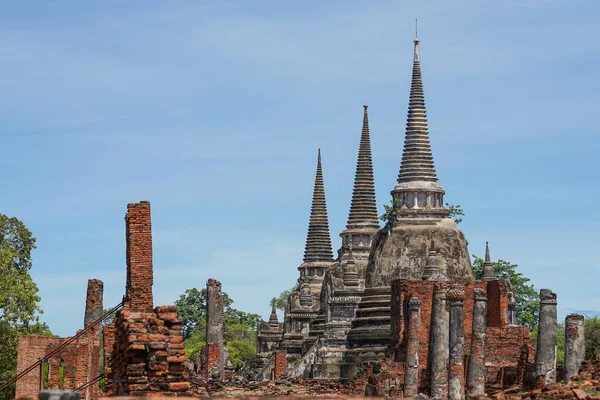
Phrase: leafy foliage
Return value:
(8, 350)
(592, 336)
(456, 212)
(527, 298)
(240, 327)
(191, 306)
(281, 300)
(18, 295)
(389, 214)
(240, 351)
(195, 343)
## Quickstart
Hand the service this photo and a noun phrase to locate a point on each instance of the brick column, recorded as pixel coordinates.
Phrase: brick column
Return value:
(411, 373)
(138, 233)
(476, 372)
(456, 371)
(93, 302)
(280, 364)
(108, 334)
(81, 362)
(214, 366)
(574, 345)
(93, 311)
(439, 350)
(545, 355)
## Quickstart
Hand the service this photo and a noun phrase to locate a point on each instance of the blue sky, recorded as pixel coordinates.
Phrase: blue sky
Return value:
(214, 110)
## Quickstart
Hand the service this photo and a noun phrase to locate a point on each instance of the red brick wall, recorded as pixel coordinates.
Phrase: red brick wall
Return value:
(148, 353)
(81, 366)
(108, 333)
(138, 232)
(497, 304)
(30, 349)
(504, 343)
(280, 363)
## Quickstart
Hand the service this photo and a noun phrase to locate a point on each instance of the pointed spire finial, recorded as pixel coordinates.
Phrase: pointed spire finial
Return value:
(416, 28)
(318, 241)
(488, 268)
(416, 41)
(417, 158)
(363, 208)
(273, 318)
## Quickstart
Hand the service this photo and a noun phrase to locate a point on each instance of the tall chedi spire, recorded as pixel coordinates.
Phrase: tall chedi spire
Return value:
(303, 304)
(363, 209)
(318, 241)
(363, 221)
(422, 244)
(418, 193)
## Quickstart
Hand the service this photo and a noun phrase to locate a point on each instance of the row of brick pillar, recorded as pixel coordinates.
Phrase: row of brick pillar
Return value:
(545, 357)
(447, 344)
(447, 350)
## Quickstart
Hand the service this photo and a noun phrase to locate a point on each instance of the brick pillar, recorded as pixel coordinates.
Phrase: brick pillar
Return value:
(545, 355)
(574, 345)
(476, 372)
(138, 232)
(108, 333)
(411, 373)
(440, 341)
(53, 368)
(280, 364)
(81, 362)
(456, 371)
(214, 366)
(93, 311)
(93, 302)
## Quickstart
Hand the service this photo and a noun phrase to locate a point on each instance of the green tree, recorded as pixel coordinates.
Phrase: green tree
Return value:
(527, 298)
(592, 336)
(456, 212)
(191, 306)
(389, 214)
(240, 351)
(240, 327)
(19, 298)
(281, 300)
(18, 293)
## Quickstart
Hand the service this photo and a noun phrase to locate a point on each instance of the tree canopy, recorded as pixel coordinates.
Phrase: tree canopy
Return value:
(281, 300)
(19, 308)
(240, 327)
(527, 298)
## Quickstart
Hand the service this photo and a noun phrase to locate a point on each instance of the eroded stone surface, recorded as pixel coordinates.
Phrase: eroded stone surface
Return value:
(545, 360)
(404, 253)
(574, 344)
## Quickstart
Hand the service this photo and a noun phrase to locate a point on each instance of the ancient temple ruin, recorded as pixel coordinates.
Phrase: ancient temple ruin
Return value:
(404, 294)
(400, 301)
